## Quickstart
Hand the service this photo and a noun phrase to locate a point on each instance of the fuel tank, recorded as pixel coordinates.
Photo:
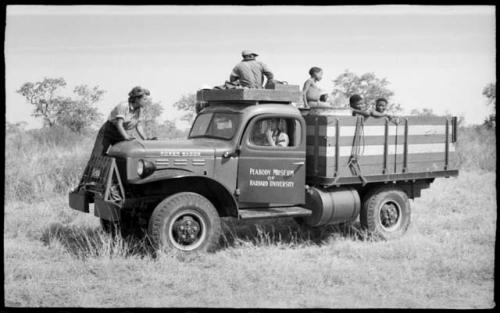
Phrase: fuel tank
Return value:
(332, 207)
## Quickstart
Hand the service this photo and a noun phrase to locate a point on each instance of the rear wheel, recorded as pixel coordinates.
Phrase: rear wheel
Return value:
(185, 221)
(386, 212)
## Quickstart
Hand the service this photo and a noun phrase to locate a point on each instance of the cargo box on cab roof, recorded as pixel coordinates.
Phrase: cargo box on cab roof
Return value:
(286, 95)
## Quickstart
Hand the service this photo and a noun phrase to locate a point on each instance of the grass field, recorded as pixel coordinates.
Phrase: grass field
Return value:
(55, 256)
(58, 257)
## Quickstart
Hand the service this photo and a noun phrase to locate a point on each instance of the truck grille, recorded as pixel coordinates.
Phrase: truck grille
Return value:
(198, 162)
(165, 163)
(162, 163)
(180, 162)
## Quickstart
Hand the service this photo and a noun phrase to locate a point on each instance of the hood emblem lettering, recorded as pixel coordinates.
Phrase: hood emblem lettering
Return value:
(180, 153)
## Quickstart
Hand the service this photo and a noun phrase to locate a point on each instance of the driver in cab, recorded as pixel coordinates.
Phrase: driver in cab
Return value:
(275, 135)
(270, 133)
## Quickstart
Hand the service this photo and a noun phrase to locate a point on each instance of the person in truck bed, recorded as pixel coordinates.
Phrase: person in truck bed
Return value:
(311, 91)
(356, 102)
(380, 110)
(124, 117)
(380, 106)
(250, 72)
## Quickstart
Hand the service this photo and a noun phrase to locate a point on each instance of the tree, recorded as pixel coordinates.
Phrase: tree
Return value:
(490, 93)
(368, 85)
(42, 96)
(168, 130)
(187, 103)
(151, 112)
(80, 113)
(423, 112)
(75, 113)
(89, 95)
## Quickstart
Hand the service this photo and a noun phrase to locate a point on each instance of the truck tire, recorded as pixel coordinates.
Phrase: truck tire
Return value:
(185, 221)
(386, 212)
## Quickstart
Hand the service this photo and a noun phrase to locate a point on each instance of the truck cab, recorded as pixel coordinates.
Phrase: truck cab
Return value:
(256, 172)
(231, 166)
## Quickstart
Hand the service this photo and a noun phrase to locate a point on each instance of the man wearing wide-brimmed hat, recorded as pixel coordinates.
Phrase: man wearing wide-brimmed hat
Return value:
(250, 72)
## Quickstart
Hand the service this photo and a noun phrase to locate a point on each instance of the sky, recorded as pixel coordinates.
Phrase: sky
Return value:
(438, 57)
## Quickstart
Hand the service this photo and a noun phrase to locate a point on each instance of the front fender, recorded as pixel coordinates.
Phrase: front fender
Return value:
(159, 175)
(222, 197)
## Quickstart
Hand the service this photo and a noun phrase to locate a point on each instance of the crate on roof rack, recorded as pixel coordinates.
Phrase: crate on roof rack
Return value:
(288, 95)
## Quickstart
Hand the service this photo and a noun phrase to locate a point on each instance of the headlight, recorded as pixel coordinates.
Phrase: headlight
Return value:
(140, 167)
(145, 168)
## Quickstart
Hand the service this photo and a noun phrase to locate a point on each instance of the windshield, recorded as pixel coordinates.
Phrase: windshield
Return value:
(215, 125)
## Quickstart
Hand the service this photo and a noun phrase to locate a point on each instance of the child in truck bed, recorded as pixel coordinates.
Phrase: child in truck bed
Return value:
(357, 104)
(312, 93)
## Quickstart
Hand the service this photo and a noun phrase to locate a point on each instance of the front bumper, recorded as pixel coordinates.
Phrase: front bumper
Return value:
(101, 184)
(80, 200)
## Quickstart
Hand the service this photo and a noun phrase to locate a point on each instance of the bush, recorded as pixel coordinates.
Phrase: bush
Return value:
(476, 148)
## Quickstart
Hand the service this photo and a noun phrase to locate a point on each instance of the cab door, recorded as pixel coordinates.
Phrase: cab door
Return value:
(272, 175)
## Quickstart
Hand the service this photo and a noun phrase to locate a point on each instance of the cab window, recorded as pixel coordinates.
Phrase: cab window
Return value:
(215, 125)
(276, 131)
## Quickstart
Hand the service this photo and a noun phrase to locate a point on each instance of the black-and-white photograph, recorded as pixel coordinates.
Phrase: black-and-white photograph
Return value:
(250, 156)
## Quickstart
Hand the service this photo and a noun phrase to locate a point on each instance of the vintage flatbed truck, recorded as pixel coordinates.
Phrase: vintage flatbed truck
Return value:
(334, 169)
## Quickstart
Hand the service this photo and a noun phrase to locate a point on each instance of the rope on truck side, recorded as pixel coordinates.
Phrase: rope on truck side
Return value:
(358, 141)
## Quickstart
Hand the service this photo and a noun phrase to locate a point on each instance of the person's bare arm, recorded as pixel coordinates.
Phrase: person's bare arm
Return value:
(267, 72)
(306, 87)
(121, 130)
(361, 112)
(378, 114)
(269, 136)
(234, 75)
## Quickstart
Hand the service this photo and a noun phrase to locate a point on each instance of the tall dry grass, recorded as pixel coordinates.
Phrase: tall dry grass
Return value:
(476, 148)
(42, 162)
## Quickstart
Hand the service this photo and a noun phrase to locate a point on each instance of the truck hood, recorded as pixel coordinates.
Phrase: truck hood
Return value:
(170, 148)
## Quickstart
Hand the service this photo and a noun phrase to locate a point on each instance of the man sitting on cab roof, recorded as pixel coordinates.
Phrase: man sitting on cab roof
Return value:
(250, 72)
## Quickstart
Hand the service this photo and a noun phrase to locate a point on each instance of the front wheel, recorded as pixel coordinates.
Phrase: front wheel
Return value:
(386, 212)
(185, 221)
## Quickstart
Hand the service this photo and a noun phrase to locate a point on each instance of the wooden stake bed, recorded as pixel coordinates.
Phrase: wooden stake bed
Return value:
(258, 95)
(414, 148)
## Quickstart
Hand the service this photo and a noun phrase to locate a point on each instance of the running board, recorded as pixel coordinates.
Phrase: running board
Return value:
(246, 214)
